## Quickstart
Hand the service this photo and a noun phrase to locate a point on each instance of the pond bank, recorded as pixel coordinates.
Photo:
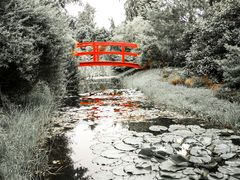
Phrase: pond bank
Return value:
(199, 101)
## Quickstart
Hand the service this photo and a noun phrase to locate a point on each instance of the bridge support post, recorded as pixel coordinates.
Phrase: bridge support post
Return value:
(123, 54)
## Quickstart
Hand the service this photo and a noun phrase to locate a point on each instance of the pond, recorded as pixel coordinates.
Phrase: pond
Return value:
(120, 134)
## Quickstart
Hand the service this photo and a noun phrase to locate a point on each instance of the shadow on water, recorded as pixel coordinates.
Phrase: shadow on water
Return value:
(61, 166)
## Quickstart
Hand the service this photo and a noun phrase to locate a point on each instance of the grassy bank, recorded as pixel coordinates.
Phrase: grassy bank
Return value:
(21, 131)
(199, 101)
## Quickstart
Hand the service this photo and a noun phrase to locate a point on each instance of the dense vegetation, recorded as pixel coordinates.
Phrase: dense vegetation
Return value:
(35, 64)
(201, 36)
(37, 67)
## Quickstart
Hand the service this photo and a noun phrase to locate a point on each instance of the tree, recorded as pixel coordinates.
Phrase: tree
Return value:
(170, 20)
(134, 8)
(219, 28)
(34, 46)
(141, 32)
(85, 25)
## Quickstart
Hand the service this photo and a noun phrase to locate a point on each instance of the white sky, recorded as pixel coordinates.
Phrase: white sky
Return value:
(105, 9)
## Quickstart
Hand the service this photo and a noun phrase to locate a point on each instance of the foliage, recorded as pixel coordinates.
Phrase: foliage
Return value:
(198, 101)
(34, 46)
(232, 68)
(85, 24)
(170, 20)
(220, 27)
(22, 131)
(134, 8)
(139, 31)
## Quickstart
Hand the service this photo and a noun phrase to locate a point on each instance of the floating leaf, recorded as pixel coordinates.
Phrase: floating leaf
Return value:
(227, 156)
(151, 138)
(179, 160)
(136, 171)
(133, 140)
(233, 163)
(184, 133)
(221, 149)
(112, 154)
(129, 158)
(175, 127)
(106, 161)
(157, 128)
(196, 129)
(119, 171)
(147, 152)
(168, 165)
(172, 175)
(106, 175)
(100, 147)
(123, 147)
(189, 171)
(108, 139)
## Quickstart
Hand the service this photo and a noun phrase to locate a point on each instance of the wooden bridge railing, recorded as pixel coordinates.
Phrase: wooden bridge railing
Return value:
(99, 49)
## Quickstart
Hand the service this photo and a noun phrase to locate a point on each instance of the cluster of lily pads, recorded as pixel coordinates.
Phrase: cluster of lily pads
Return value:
(174, 152)
(178, 152)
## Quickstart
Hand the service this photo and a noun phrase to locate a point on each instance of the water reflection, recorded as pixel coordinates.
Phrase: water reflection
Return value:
(118, 134)
(61, 166)
(107, 117)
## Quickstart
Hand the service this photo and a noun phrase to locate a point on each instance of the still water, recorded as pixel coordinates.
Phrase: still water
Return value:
(119, 134)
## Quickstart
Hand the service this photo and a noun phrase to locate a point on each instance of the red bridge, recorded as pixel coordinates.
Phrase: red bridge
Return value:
(99, 49)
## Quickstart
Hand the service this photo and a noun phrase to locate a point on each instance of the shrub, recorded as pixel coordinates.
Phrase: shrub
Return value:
(34, 46)
(208, 51)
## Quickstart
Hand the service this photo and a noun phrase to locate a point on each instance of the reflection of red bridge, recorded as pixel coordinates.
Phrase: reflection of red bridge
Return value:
(99, 49)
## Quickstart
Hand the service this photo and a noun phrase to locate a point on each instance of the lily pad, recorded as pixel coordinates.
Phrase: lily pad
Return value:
(146, 152)
(169, 166)
(129, 158)
(206, 141)
(233, 163)
(227, 156)
(150, 176)
(175, 127)
(106, 175)
(108, 139)
(124, 147)
(169, 137)
(133, 140)
(100, 147)
(151, 138)
(179, 160)
(233, 171)
(196, 129)
(184, 133)
(217, 175)
(189, 171)
(200, 159)
(135, 171)
(157, 128)
(172, 175)
(221, 149)
(105, 161)
(112, 154)
(119, 171)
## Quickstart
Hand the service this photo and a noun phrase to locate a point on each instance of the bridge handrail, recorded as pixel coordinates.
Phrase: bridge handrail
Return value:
(96, 52)
(84, 44)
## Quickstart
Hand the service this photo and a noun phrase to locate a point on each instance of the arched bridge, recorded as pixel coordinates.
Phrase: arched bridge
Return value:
(99, 48)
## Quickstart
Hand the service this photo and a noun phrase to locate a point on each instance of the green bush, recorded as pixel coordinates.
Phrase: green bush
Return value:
(219, 27)
(34, 46)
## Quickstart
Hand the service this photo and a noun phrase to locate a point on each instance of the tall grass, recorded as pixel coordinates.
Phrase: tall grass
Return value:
(21, 131)
(200, 101)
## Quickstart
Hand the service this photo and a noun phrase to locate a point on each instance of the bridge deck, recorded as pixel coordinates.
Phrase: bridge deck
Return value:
(110, 63)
